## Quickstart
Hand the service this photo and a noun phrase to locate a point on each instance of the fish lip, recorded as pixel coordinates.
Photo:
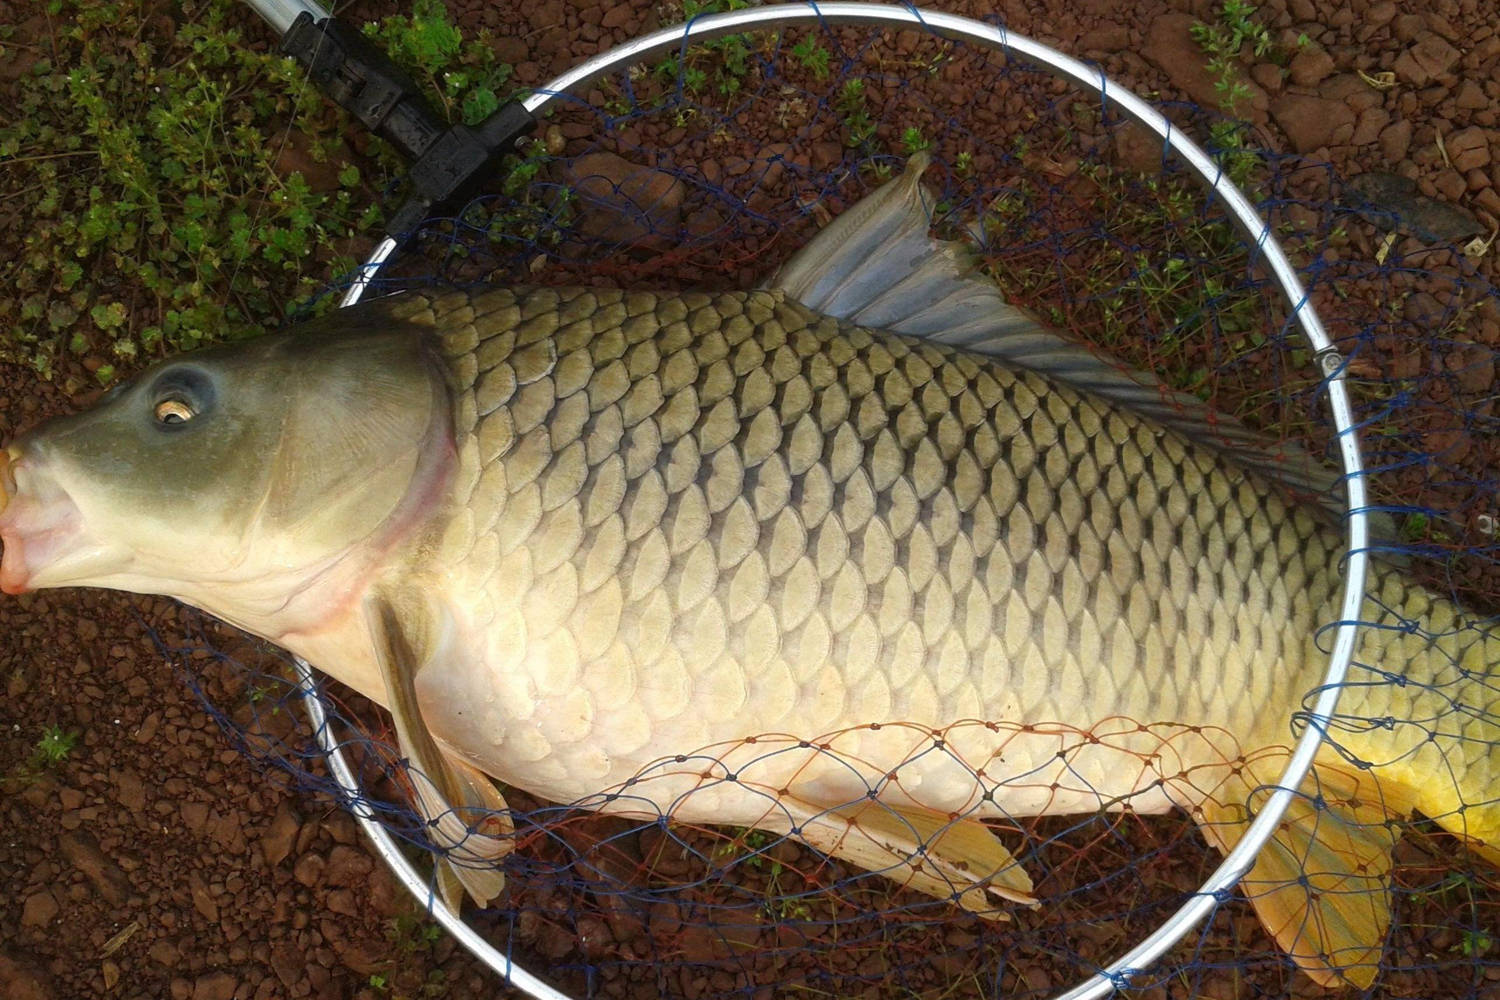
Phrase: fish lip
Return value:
(9, 549)
(7, 478)
(39, 523)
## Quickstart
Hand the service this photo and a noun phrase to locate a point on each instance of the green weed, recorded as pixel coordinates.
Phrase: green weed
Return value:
(1473, 944)
(1414, 527)
(465, 79)
(749, 846)
(1223, 42)
(1174, 311)
(859, 129)
(1224, 39)
(813, 56)
(157, 218)
(777, 904)
(727, 58)
(1227, 142)
(412, 932)
(53, 747)
(745, 842)
(163, 217)
(694, 79)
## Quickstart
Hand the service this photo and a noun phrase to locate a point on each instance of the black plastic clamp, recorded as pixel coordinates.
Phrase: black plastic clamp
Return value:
(448, 161)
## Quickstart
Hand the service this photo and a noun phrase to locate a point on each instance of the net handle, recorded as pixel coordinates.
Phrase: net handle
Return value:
(1218, 886)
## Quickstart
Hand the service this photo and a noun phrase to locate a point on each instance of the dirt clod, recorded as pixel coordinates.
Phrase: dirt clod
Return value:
(22, 979)
(40, 909)
(215, 986)
(107, 877)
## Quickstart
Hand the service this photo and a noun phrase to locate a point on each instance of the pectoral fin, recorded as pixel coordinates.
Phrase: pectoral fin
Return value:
(957, 859)
(1321, 885)
(465, 814)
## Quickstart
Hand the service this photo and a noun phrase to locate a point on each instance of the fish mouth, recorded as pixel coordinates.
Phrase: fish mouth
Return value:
(40, 525)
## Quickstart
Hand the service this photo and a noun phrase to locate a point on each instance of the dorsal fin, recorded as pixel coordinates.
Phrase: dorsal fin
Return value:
(877, 265)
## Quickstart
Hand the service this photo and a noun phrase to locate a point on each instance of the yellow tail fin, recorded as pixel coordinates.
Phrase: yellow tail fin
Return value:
(1321, 885)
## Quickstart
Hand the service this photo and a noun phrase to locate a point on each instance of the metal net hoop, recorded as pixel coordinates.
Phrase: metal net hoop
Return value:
(1265, 250)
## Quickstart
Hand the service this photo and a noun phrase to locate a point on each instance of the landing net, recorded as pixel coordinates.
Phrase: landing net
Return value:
(708, 167)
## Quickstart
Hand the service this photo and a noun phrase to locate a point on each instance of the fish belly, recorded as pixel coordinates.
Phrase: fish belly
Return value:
(721, 544)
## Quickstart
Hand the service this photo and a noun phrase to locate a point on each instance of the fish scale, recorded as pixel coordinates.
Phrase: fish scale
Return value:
(723, 514)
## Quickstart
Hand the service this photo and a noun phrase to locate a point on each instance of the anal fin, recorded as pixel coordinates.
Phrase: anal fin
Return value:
(952, 858)
(465, 814)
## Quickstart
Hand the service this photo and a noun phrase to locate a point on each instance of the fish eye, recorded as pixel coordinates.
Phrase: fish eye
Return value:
(174, 411)
(179, 395)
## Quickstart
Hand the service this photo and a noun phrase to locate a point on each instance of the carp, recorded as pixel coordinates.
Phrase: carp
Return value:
(865, 557)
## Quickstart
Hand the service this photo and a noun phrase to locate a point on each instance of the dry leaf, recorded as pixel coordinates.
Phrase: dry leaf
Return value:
(115, 943)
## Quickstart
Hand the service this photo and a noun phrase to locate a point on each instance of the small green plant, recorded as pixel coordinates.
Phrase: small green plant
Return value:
(1473, 943)
(465, 78)
(749, 846)
(777, 904)
(409, 934)
(694, 79)
(1236, 26)
(963, 164)
(1223, 41)
(746, 842)
(859, 129)
(1171, 311)
(813, 56)
(54, 747)
(914, 141)
(1227, 141)
(436, 986)
(467, 83)
(728, 57)
(1414, 527)
(1454, 889)
(411, 931)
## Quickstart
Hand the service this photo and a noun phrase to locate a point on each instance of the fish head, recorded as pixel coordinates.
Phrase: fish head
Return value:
(239, 479)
